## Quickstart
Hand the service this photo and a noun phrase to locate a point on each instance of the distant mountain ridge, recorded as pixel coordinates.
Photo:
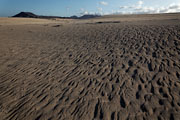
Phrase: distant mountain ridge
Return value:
(32, 15)
(26, 14)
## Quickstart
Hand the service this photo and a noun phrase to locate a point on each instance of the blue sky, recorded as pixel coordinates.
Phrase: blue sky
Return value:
(80, 7)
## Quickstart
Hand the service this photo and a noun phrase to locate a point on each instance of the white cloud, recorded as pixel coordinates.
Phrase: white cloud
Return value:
(140, 3)
(123, 7)
(99, 9)
(174, 6)
(83, 11)
(103, 3)
(86, 12)
(168, 9)
(139, 9)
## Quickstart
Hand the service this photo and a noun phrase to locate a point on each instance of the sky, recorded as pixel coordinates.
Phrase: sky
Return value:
(80, 7)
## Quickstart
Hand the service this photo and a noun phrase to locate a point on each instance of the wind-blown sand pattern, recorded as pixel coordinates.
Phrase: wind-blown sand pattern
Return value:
(90, 69)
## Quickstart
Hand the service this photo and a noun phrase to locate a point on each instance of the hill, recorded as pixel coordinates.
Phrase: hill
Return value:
(32, 15)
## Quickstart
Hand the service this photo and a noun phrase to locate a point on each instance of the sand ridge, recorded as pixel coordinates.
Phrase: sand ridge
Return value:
(109, 71)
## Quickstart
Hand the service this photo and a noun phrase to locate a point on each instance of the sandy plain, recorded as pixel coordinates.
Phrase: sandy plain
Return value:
(120, 67)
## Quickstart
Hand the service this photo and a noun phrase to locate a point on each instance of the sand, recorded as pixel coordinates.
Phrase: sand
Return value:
(109, 68)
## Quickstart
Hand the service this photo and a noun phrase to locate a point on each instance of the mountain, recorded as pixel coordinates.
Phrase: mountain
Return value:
(74, 17)
(88, 16)
(26, 15)
(32, 15)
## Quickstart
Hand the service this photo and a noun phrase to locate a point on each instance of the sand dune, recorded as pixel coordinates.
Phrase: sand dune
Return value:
(90, 69)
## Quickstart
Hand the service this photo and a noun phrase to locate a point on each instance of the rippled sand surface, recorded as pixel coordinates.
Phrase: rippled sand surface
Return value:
(109, 68)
